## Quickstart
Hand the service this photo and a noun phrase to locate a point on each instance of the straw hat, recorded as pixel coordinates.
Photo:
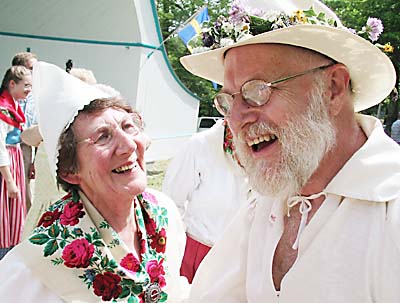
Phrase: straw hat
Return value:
(59, 97)
(372, 73)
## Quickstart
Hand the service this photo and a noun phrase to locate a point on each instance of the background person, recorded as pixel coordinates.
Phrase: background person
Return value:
(395, 130)
(27, 59)
(109, 238)
(325, 226)
(208, 185)
(16, 85)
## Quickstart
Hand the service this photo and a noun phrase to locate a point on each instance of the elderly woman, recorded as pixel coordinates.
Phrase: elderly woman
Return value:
(16, 85)
(109, 238)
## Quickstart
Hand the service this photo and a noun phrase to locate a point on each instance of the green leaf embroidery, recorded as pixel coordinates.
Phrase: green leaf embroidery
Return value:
(39, 239)
(104, 225)
(125, 292)
(50, 248)
(57, 261)
(137, 288)
(63, 243)
(65, 233)
(98, 243)
(54, 231)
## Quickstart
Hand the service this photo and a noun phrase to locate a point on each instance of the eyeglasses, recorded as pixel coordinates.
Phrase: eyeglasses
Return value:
(255, 92)
(131, 125)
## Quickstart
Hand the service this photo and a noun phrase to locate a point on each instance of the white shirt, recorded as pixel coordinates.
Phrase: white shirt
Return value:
(4, 129)
(349, 252)
(207, 185)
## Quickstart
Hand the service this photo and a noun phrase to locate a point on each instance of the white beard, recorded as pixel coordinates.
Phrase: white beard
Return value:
(304, 142)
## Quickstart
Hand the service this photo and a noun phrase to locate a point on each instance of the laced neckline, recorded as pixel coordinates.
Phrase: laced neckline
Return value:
(304, 209)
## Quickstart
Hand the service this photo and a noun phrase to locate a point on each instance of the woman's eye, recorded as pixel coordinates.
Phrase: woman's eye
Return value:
(129, 127)
(103, 138)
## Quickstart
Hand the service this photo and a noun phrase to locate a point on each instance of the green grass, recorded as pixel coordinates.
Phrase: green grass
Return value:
(155, 173)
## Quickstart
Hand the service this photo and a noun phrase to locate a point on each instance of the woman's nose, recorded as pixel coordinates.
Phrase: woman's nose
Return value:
(125, 142)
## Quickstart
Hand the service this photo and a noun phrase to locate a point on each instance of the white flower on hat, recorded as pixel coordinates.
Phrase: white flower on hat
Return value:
(244, 37)
(226, 42)
(227, 27)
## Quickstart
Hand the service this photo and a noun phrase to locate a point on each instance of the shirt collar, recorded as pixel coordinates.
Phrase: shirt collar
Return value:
(373, 172)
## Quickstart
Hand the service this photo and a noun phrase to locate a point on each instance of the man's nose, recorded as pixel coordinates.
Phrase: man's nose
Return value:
(241, 114)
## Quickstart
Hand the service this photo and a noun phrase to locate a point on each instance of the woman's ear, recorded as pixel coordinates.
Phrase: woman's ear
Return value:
(11, 84)
(339, 87)
(71, 178)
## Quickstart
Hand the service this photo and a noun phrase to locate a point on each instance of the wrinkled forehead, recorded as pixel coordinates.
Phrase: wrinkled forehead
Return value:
(277, 52)
(89, 121)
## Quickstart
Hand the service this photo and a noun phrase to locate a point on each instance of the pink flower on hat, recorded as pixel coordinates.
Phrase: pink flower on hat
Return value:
(374, 28)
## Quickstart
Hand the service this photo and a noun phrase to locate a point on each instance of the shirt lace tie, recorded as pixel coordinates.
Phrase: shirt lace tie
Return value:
(304, 209)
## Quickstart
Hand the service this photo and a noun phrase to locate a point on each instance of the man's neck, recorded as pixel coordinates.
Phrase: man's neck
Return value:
(349, 140)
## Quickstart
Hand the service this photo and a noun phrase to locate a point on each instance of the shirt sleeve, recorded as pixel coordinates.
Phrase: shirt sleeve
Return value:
(4, 158)
(19, 284)
(182, 176)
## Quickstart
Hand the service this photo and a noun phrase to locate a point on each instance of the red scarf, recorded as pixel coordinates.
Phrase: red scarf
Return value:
(9, 112)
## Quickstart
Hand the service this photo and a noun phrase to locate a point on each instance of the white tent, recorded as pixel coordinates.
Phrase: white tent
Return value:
(119, 41)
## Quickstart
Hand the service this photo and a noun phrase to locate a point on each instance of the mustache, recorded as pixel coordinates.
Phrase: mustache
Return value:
(258, 129)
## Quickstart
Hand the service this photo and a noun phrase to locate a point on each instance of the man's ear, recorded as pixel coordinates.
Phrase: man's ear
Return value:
(71, 178)
(339, 88)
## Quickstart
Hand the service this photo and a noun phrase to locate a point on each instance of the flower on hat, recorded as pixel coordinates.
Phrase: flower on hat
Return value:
(388, 48)
(373, 28)
(244, 22)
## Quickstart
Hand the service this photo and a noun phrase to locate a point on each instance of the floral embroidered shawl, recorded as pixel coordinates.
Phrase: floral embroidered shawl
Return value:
(82, 249)
(9, 112)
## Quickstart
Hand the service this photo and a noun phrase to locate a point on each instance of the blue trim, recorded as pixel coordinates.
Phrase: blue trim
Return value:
(162, 50)
(135, 44)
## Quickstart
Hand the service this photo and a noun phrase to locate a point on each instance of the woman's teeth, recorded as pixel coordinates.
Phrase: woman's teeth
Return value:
(124, 168)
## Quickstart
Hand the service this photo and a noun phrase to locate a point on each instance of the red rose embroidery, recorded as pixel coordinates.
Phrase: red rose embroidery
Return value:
(78, 254)
(149, 197)
(49, 217)
(142, 247)
(71, 213)
(131, 263)
(151, 226)
(156, 272)
(159, 241)
(107, 286)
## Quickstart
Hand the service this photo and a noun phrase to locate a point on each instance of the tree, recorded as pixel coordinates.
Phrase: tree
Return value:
(172, 14)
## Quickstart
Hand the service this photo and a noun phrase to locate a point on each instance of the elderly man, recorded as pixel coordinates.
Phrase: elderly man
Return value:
(325, 223)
